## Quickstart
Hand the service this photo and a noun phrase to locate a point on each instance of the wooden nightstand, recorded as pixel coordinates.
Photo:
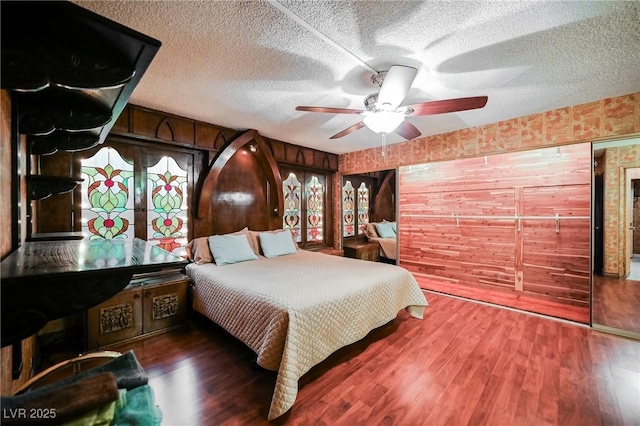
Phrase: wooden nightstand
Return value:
(148, 305)
(367, 250)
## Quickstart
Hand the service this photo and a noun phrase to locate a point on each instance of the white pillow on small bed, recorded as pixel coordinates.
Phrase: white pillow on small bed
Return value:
(277, 244)
(385, 230)
(230, 248)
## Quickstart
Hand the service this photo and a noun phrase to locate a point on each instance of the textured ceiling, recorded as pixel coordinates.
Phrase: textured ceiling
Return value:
(246, 64)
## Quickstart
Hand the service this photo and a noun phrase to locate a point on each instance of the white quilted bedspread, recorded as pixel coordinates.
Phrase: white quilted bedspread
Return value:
(387, 246)
(296, 310)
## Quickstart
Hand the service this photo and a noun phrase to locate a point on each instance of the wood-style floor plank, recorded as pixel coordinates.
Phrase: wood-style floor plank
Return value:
(464, 363)
(615, 303)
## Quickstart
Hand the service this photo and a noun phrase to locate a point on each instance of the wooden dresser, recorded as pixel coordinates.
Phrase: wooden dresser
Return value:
(366, 250)
(147, 306)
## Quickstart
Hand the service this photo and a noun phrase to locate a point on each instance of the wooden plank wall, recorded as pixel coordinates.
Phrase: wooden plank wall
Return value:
(524, 264)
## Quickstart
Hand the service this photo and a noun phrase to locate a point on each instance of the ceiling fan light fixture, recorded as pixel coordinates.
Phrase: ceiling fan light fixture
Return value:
(383, 121)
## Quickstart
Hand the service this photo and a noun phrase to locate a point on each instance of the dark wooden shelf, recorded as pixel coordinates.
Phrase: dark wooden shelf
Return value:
(42, 187)
(74, 72)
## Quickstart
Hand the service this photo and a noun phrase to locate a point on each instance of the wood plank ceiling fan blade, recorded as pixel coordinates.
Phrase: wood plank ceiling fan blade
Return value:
(348, 130)
(329, 110)
(447, 105)
(396, 85)
(407, 130)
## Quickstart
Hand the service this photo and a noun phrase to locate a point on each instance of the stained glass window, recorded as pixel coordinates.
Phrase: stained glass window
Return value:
(315, 208)
(167, 205)
(363, 208)
(107, 196)
(348, 225)
(292, 199)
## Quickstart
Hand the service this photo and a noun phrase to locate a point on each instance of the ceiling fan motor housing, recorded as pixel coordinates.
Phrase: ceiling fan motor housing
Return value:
(378, 78)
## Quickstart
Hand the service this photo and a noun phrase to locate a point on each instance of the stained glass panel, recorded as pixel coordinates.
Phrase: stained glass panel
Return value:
(363, 208)
(348, 226)
(167, 205)
(107, 196)
(292, 199)
(315, 209)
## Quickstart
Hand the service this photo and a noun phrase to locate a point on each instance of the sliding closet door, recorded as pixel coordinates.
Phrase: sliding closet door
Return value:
(511, 229)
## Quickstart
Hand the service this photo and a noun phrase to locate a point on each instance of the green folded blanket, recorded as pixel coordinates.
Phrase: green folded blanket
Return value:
(102, 416)
(137, 407)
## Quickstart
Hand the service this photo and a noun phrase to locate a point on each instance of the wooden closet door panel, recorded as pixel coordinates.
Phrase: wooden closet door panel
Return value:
(556, 255)
(474, 252)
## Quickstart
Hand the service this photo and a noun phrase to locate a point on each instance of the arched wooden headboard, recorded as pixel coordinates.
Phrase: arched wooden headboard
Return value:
(241, 185)
(384, 202)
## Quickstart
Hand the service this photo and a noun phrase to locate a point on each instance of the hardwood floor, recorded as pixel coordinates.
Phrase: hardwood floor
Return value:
(634, 268)
(616, 302)
(464, 363)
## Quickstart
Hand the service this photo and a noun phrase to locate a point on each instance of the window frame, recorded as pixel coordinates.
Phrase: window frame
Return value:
(303, 174)
(143, 155)
(356, 181)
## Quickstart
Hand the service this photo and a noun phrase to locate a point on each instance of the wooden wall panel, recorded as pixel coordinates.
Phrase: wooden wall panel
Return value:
(285, 153)
(6, 209)
(484, 252)
(162, 126)
(7, 227)
(210, 137)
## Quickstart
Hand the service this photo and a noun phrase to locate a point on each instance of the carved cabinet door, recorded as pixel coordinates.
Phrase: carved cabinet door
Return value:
(164, 306)
(117, 319)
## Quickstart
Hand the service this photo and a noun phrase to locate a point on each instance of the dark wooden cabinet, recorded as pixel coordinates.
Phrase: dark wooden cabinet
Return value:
(366, 250)
(48, 280)
(146, 306)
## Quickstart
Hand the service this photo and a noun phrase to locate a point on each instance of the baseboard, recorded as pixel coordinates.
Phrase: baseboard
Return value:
(617, 331)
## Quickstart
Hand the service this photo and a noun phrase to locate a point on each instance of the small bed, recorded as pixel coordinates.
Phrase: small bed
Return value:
(384, 233)
(295, 310)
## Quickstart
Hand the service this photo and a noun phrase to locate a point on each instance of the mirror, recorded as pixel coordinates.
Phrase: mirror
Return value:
(368, 199)
(616, 237)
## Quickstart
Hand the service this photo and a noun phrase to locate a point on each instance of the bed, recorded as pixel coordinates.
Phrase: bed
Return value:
(295, 310)
(384, 233)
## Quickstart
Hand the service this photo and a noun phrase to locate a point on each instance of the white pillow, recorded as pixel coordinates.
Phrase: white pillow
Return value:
(277, 244)
(229, 248)
(385, 230)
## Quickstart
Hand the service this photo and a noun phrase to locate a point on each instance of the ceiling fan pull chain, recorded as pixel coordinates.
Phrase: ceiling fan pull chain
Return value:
(383, 136)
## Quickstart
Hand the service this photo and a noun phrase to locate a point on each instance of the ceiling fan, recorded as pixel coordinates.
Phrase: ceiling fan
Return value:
(384, 113)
